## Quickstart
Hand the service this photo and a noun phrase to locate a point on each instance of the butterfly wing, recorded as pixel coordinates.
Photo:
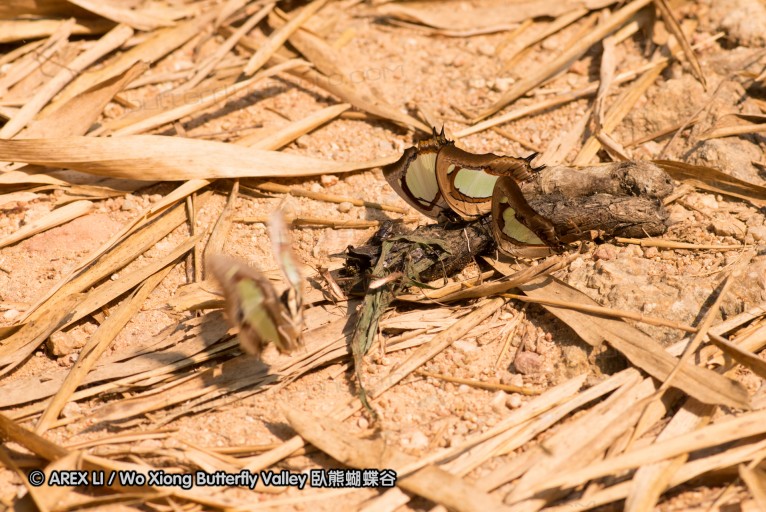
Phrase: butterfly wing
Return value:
(281, 247)
(520, 231)
(413, 177)
(252, 305)
(467, 180)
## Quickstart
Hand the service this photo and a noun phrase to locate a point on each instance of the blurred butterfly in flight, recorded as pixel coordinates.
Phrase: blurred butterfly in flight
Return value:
(252, 304)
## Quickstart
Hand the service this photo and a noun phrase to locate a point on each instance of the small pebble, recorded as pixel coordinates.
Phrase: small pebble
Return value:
(514, 401)
(529, 363)
(10, 314)
(502, 84)
(459, 61)
(499, 401)
(315, 187)
(605, 252)
(651, 252)
(328, 180)
(465, 346)
(487, 50)
(345, 207)
(415, 439)
(758, 233)
(728, 227)
(362, 423)
(477, 83)
(71, 409)
(130, 203)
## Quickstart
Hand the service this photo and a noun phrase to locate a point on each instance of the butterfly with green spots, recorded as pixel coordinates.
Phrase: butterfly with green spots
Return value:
(467, 180)
(252, 304)
(518, 229)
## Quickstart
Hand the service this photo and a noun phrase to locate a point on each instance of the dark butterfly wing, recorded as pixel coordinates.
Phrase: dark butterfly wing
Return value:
(413, 177)
(253, 306)
(520, 231)
(467, 180)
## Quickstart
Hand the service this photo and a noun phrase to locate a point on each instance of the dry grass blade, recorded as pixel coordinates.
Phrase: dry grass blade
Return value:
(122, 248)
(326, 221)
(109, 291)
(755, 479)
(93, 349)
(55, 218)
(35, 59)
(706, 322)
(551, 264)
(717, 434)
(226, 47)
(35, 331)
(524, 85)
(580, 443)
(196, 346)
(159, 158)
(143, 121)
(28, 29)
(423, 354)
(650, 482)
(280, 36)
(754, 123)
(12, 432)
(480, 384)
(565, 98)
(222, 226)
(674, 28)
(111, 41)
(156, 46)
(476, 18)
(711, 179)
(543, 405)
(621, 107)
(76, 116)
(606, 76)
(600, 310)
(671, 244)
(350, 95)
(285, 135)
(641, 350)
(740, 355)
(330, 198)
(430, 482)
(140, 19)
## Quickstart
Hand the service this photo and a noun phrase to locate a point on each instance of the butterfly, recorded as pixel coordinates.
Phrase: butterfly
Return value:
(518, 229)
(449, 184)
(413, 177)
(467, 180)
(253, 305)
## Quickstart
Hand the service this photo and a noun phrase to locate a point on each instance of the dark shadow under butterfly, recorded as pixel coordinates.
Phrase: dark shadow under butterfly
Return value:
(518, 229)
(448, 184)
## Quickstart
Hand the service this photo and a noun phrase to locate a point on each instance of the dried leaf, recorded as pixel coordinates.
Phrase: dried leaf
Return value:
(641, 350)
(160, 158)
